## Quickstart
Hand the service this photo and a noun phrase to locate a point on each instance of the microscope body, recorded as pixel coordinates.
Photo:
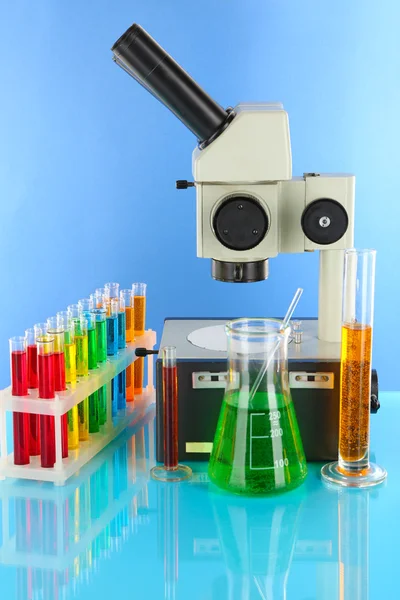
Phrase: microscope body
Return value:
(250, 209)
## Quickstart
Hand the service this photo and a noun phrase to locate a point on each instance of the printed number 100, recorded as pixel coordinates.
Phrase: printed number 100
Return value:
(282, 462)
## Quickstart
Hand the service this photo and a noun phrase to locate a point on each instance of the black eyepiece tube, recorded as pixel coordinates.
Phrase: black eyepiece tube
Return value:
(140, 55)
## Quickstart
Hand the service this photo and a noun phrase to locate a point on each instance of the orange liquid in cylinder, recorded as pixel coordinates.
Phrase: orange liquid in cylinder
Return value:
(355, 391)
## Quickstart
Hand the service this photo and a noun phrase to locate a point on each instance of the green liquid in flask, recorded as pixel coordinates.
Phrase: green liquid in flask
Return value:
(257, 450)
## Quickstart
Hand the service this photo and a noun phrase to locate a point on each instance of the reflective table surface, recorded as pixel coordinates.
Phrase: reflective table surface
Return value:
(112, 533)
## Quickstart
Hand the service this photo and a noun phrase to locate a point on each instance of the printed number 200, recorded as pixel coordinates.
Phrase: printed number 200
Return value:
(282, 462)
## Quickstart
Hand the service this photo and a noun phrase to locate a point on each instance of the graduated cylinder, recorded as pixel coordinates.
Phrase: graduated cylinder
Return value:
(353, 468)
(356, 355)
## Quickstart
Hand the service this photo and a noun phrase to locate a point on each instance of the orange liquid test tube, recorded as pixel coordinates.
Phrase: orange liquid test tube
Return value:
(127, 296)
(139, 308)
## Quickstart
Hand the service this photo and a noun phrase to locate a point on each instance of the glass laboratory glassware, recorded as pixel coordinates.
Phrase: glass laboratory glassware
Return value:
(101, 338)
(353, 469)
(171, 470)
(45, 348)
(94, 416)
(139, 299)
(111, 290)
(34, 420)
(56, 330)
(19, 387)
(112, 307)
(86, 304)
(121, 346)
(70, 375)
(257, 446)
(82, 369)
(127, 297)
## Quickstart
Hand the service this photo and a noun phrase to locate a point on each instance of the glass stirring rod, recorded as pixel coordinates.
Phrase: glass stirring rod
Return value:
(285, 323)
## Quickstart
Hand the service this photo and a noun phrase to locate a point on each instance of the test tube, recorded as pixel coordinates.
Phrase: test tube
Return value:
(121, 346)
(94, 421)
(70, 375)
(171, 470)
(99, 296)
(353, 468)
(112, 327)
(112, 345)
(57, 332)
(34, 420)
(74, 312)
(111, 290)
(101, 339)
(139, 299)
(127, 297)
(45, 350)
(86, 304)
(19, 387)
(82, 370)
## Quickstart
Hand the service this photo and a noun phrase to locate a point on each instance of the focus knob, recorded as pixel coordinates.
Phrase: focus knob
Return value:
(324, 221)
(183, 184)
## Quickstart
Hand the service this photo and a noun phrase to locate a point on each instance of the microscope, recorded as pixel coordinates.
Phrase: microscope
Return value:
(250, 209)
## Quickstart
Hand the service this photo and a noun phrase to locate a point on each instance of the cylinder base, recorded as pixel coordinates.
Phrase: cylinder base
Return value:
(181, 472)
(373, 475)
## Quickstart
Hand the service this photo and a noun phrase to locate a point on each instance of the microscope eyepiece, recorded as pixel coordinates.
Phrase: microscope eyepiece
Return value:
(144, 59)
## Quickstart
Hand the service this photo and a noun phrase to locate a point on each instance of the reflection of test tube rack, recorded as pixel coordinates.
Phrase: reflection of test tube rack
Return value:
(65, 401)
(62, 534)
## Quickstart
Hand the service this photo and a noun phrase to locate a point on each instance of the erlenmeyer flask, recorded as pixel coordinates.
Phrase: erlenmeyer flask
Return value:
(257, 446)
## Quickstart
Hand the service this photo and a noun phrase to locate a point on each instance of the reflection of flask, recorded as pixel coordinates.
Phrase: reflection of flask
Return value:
(257, 541)
(353, 518)
(257, 447)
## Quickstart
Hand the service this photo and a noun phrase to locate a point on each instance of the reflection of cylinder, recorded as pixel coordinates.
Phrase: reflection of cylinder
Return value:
(353, 517)
(168, 536)
(355, 393)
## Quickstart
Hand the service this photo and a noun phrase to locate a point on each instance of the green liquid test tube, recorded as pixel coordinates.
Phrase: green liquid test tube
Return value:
(101, 339)
(82, 370)
(94, 423)
(70, 376)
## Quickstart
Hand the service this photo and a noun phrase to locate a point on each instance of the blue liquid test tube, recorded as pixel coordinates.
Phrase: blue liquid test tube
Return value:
(121, 346)
(112, 306)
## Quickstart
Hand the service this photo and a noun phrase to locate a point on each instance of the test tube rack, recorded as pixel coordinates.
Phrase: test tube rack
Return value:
(63, 402)
(83, 523)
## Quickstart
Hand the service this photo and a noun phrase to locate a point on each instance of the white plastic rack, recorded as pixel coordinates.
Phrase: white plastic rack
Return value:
(62, 403)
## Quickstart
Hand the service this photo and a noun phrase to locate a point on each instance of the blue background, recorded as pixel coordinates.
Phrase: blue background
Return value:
(88, 159)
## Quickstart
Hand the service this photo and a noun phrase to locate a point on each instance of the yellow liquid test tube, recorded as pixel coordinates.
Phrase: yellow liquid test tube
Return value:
(139, 311)
(82, 368)
(70, 377)
(127, 296)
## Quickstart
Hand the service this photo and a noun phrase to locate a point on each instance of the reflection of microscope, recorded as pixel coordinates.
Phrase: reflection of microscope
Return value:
(249, 209)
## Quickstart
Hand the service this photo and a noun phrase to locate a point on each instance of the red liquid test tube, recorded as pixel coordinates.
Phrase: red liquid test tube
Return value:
(19, 387)
(171, 470)
(56, 330)
(45, 347)
(34, 420)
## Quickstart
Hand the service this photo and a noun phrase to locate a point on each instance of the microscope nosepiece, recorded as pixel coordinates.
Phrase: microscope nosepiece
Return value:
(145, 60)
(239, 272)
